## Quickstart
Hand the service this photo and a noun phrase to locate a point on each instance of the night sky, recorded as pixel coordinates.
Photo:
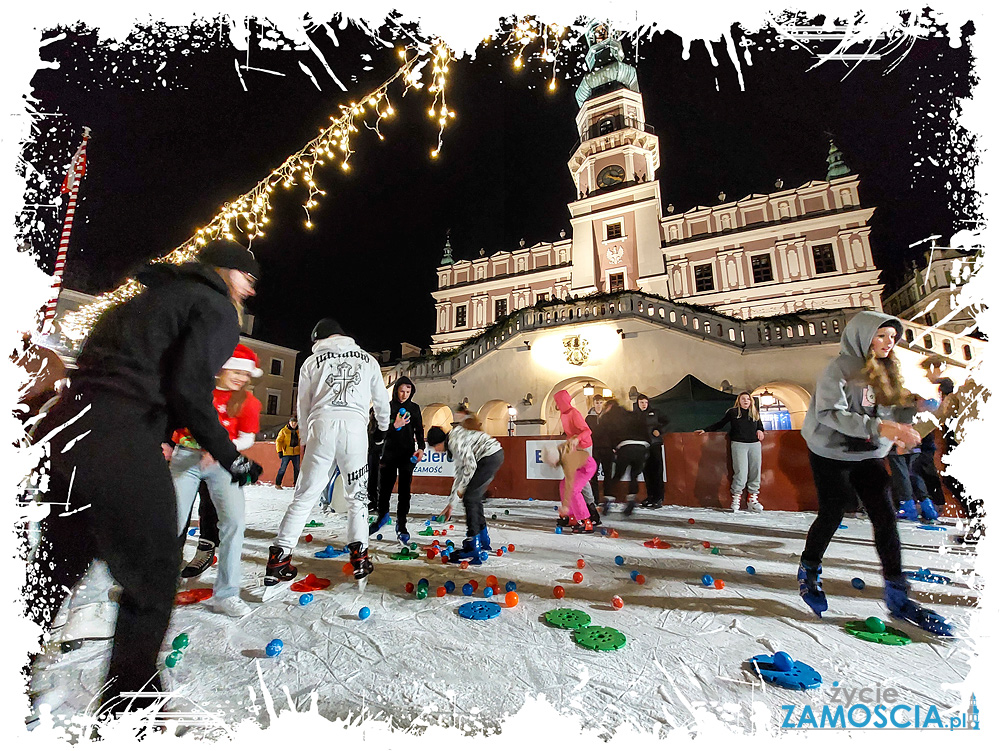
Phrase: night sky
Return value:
(162, 159)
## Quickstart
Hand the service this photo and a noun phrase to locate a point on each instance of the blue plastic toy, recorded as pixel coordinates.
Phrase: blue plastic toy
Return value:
(783, 671)
(193, 531)
(633, 574)
(449, 586)
(510, 586)
(329, 552)
(466, 589)
(274, 647)
(503, 548)
(619, 560)
(558, 530)
(364, 613)
(306, 598)
(858, 583)
(402, 413)
(751, 570)
(479, 610)
(427, 523)
(707, 580)
(530, 500)
(378, 536)
(488, 592)
(423, 583)
(925, 575)
(932, 527)
(932, 404)
(414, 459)
(842, 526)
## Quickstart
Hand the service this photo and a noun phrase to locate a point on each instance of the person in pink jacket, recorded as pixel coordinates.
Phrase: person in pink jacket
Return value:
(579, 434)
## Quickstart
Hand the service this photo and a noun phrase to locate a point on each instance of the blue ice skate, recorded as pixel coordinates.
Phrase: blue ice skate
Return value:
(484, 539)
(472, 551)
(378, 524)
(908, 511)
(898, 601)
(811, 588)
(401, 534)
(927, 510)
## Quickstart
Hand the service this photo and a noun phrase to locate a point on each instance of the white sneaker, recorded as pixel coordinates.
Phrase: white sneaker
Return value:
(735, 505)
(753, 504)
(231, 606)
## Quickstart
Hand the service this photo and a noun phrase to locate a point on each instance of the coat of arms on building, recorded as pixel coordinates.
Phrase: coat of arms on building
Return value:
(577, 349)
(615, 254)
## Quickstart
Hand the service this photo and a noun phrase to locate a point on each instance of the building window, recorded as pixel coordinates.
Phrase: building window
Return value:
(761, 265)
(460, 313)
(824, 259)
(276, 366)
(928, 341)
(966, 351)
(616, 282)
(542, 296)
(499, 309)
(947, 346)
(272, 404)
(614, 231)
(909, 335)
(703, 280)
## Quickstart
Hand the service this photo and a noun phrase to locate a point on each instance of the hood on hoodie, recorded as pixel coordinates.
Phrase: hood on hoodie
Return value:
(400, 382)
(860, 330)
(563, 400)
(155, 274)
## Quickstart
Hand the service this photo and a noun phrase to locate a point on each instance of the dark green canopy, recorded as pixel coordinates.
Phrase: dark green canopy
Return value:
(691, 405)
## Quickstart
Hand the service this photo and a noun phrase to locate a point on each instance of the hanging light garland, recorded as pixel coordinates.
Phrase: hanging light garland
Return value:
(248, 214)
(530, 37)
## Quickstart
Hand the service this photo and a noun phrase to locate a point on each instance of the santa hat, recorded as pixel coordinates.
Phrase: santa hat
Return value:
(244, 358)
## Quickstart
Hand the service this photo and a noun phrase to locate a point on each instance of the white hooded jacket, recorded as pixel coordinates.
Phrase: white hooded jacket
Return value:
(342, 381)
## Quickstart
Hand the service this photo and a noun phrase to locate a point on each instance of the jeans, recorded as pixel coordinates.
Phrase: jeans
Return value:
(475, 491)
(285, 459)
(836, 484)
(227, 497)
(389, 467)
(907, 485)
(746, 467)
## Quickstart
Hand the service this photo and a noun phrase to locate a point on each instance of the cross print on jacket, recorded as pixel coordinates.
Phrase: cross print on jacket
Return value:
(345, 378)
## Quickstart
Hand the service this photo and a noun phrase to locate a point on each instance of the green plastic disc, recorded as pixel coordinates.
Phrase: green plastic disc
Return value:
(600, 638)
(313, 523)
(405, 555)
(426, 532)
(890, 635)
(567, 618)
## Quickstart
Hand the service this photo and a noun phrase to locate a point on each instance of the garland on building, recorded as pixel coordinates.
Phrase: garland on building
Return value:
(248, 214)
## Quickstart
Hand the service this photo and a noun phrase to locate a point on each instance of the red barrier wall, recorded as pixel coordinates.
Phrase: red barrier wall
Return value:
(699, 470)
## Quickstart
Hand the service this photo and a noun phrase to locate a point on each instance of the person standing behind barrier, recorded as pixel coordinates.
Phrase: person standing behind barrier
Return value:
(653, 471)
(627, 433)
(746, 431)
(603, 449)
(288, 448)
(403, 443)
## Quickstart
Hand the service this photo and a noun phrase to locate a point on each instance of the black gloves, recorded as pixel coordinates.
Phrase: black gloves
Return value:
(245, 470)
(378, 437)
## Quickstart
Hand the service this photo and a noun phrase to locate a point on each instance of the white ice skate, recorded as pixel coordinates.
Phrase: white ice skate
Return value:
(92, 622)
(753, 504)
(735, 505)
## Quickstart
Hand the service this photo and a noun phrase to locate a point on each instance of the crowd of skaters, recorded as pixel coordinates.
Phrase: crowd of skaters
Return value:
(168, 363)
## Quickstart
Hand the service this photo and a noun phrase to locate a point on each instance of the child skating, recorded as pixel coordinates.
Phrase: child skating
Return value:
(578, 467)
(576, 429)
(855, 416)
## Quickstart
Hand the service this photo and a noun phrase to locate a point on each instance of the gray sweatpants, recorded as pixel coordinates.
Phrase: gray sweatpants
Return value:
(746, 466)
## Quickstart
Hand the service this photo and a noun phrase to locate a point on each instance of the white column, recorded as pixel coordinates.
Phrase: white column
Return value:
(740, 261)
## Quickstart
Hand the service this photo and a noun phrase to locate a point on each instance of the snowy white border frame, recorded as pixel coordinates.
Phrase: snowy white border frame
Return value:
(537, 723)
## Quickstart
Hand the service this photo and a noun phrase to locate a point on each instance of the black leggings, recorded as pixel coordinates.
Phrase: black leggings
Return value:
(631, 456)
(836, 484)
(605, 459)
(475, 491)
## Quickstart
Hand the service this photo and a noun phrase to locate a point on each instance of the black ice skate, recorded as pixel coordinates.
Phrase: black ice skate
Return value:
(201, 561)
(360, 561)
(279, 567)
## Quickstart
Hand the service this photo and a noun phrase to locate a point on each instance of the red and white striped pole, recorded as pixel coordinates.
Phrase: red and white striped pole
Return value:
(71, 185)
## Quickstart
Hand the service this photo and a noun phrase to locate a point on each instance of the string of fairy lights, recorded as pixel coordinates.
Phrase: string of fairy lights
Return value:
(248, 214)
(523, 37)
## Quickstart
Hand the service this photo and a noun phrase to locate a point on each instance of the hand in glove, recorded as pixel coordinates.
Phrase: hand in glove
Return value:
(378, 437)
(245, 470)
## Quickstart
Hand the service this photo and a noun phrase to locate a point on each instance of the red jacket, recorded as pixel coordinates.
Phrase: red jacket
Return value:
(572, 421)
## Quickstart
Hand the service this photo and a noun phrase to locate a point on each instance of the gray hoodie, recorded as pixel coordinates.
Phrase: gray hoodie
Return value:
(843, 421)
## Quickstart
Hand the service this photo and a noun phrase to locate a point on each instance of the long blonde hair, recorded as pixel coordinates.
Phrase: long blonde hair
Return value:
(754, 414)
(882, 374)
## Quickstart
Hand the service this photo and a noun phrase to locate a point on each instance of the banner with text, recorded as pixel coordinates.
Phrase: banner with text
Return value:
(435, 464)
(539, 470)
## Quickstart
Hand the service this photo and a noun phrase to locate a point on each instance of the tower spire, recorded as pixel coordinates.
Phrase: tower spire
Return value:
(835, 160)
(607, 69)
(446, 259)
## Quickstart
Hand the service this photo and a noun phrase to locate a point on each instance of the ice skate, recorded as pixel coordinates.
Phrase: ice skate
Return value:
(233, 606)
(900, 605)
(202, 560)
(472, 551)
(629, 505)
(563, 522)
(735, 504)
(583, 528)
(595, 518)
(279, 573)
(401, 534)
(811, 588)
(378, 524)
(93, 622)
(753, 504)
(484, 538)
(360, 561)
(907, 511)
(606, 506)
(928, 511)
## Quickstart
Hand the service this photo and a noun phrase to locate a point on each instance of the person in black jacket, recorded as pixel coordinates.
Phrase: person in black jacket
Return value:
(652, 473)
(626, 431)
(604, 450)
(147, 368)
(746, 431)
(403, 443)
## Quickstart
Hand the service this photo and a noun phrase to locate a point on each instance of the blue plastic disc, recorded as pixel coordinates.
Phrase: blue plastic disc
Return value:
(925, 575)
(480, 610)
(933, 527)
(797, 677)
(842, 526)
(329, 552)
(782, 661)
